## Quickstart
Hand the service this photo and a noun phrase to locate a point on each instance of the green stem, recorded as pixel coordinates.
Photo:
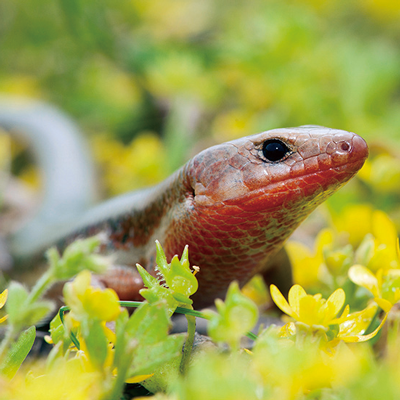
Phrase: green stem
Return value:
(372, 325)
(41, 286)
(187, 352)
(6, 342)
(118, 382)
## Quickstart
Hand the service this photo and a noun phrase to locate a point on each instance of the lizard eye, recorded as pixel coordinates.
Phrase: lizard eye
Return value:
(275, 150)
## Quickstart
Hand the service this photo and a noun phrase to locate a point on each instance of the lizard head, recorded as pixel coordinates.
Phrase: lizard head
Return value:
(277, 168)
(244, 198)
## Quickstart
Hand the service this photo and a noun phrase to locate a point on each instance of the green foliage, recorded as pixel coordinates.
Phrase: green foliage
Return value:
(234, 318)
(25, 308)
(78, 256)
(21, 311)
(149, 326)
(309, 357)
(17, 353)
(180, 282)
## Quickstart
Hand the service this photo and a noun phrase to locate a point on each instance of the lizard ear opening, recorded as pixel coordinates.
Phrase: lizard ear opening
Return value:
(275, 150)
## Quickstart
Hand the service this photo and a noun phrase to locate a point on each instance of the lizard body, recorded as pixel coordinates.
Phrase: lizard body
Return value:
(234, 204)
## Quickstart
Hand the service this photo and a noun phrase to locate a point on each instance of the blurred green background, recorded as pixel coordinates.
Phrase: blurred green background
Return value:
(152, 82)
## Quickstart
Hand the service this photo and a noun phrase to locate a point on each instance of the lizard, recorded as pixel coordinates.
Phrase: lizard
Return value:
(235, 204)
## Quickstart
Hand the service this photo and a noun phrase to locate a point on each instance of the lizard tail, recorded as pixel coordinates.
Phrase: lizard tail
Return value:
(64, 161)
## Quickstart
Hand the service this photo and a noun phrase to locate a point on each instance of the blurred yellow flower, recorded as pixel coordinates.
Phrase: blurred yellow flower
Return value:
(353, 326)
(138, 164)
(86, 301)
(66, 380)
(178, 19)
(382, 10)
(233, 124)
(354, 222)
(384, 284)
(3, 299)
(382, 172)
(5, 150)
(21, 85)
(305, 263)
(381, 249)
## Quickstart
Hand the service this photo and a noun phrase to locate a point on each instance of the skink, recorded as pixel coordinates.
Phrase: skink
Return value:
(234, 204)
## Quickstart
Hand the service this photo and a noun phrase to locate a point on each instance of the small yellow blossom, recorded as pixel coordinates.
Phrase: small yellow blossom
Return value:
(381, 249)
(307, 309)
(384, 284)
(319, 315)
(66, 380)
(141, 163)
(86, 300)
(354, 222)
(3, 299)
(301, 256)
(353, 326)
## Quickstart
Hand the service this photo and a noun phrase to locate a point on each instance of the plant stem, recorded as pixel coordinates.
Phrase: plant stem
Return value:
(187, 352)
(6, 342)
(40, 286)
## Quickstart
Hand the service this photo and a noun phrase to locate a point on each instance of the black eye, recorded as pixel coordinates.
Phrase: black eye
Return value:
(275, 150)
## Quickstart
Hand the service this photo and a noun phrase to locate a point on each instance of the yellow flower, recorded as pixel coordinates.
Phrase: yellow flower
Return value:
(300, 255)
(141, 163)
(313, 311)
(317, 314)
(353, 326)
(381, 249)
(66, 380)
(384, 284)
(354, 222)
(3, 299)
(86, 300)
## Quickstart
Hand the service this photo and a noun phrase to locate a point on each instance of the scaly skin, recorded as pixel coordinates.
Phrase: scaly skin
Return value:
(231, 206)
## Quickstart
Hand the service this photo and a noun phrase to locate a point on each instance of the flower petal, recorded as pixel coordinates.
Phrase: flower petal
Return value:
(296, 292)
(3, 297)
(357, 323)
(364, 338)
(384, 304)
(310, 311)
(334, 304)
(280, 301)
(364, 277)
(384, 229)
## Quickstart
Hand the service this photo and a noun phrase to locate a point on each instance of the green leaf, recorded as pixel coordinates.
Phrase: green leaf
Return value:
(147, 358)
(120, 340)
(96, 343)
(156, 292)
(79, 255)
(20, 312)
(149, 323)
(57, 331)
(179, 279)
(237, 315)
(35, 312)
(15, 305)
(18, 352)
(148, 328)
